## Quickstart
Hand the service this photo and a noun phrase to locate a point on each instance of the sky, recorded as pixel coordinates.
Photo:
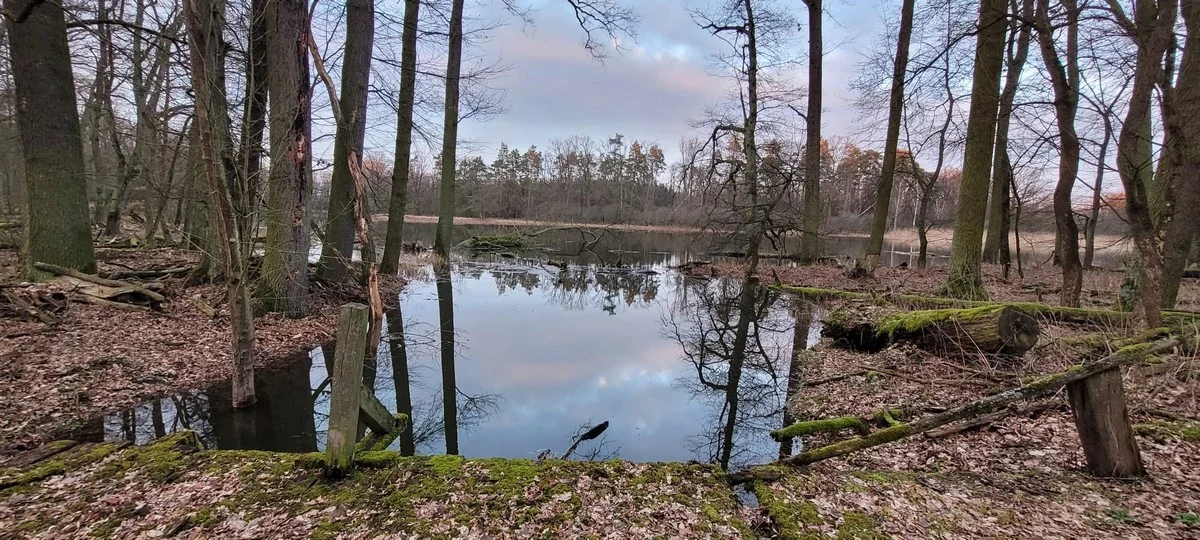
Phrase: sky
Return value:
(650, 90)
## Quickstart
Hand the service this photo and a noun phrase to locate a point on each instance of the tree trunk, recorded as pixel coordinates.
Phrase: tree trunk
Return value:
(995, 329)
(810, 239)
(398, 204)
(57, 228)
(1098, 403)
(205, 19)
(1184, 225)
(996, 238)
(1089, 248)
(883, 193)
(1064, 77)
(445, 226)
(338, 248)
(964, 279)
(283, 286)
(254, 122)
(1152, 32)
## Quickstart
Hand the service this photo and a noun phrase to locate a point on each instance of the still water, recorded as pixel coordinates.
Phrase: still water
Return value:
(531, 355)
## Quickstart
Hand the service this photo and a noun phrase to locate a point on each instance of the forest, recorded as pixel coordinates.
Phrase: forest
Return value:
(265, 270)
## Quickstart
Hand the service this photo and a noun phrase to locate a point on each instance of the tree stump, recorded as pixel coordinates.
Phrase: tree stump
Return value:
(1098, 404)
(996, 329)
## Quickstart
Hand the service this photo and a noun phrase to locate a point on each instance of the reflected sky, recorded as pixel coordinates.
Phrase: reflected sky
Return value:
(541, 352)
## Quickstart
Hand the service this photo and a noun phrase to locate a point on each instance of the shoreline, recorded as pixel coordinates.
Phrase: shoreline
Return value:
(940, 239)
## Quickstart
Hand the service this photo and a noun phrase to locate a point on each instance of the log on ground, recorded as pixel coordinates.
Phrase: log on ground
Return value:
(997, 329)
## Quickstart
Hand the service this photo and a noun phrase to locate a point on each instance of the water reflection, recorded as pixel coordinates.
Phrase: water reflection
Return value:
(515, 357)
(445, 299)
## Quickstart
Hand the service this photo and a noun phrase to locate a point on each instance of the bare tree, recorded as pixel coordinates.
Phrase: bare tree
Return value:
(1064, 78)
(398, 203)
(964, 279)
(810, 239)
(204, 20)
(883, 192)
(283, 286)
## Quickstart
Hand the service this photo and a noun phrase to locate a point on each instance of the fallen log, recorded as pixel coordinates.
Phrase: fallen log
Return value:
(860, 424)
(1039, 388)
(998, 329)
(151, 273)
(1044, 312)
(154, 297)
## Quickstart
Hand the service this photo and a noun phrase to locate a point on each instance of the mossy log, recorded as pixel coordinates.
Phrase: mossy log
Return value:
(1038, 388)
(1044, 312)
(860, 424)
(825, 425)
(998, 329)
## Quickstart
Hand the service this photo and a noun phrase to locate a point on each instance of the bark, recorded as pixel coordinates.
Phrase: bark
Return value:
(340, 223)
(1098, 404)
(56, 228)
(810, 228)
(1064, 78)
(1151, 30)
(1183, 104)
(204, 20)
(283, 286)
(996, 329)
(398, 203)
(445, 226)
(964, 279)
(883, 193)
(254, 122)
(996, 238)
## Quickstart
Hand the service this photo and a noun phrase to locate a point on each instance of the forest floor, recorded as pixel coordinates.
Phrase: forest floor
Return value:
(95, 359)
(1021, 476)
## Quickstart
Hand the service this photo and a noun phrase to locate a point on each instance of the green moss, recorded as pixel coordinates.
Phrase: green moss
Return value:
(829, 425)
(795, 521)
(859, 526)
(1190, 520)
(446, 465)
(1121, 515)
(204, 517)
(1188, 431)
(162, 461)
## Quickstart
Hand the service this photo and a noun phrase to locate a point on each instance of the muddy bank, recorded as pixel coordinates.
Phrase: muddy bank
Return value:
(95, 359)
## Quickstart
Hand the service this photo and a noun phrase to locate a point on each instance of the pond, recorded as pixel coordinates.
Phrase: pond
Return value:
(533, 354)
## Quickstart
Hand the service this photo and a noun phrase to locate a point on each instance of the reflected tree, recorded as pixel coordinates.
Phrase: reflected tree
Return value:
(802, 311)
(399, 357)
(445, 294)
(732, 335)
